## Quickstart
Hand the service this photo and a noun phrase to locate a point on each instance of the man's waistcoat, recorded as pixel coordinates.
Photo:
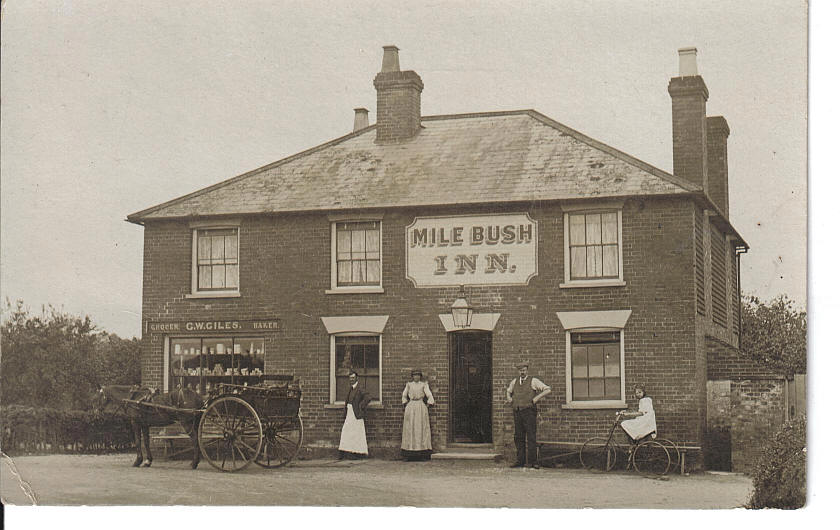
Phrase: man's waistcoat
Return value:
(523, 394)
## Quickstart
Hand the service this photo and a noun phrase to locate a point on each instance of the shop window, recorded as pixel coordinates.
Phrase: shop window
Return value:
(202, 362)
(215, 261)
(596, 366)
(360, 354)
(356, 255)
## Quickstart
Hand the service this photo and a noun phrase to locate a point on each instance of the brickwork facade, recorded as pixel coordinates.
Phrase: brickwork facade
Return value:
(285, 271)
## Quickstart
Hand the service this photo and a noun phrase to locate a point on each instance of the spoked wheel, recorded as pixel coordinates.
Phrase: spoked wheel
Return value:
(651, 458)
(596, 453)
(281, 441)
(230, 434)
(673, 452)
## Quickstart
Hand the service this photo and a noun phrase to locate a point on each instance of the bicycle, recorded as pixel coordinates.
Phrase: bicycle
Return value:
(645, 455)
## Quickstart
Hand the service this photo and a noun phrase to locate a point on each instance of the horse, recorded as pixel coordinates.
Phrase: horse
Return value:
(110, 399)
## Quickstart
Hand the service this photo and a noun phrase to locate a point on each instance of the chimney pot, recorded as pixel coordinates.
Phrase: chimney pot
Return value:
(361, 119)
(688, 61)
(391, 59)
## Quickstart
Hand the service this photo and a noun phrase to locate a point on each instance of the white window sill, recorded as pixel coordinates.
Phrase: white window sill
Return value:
(214, 294)
(592, 283)
(355, 290)
(606, 404)
(340, 405)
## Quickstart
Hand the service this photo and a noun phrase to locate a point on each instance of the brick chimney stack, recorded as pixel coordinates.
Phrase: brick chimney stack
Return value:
(397, 100)
(717, 134)
(688, 118)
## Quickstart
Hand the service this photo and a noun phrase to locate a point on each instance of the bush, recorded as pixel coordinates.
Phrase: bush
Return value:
(779, 476)
(46, 430)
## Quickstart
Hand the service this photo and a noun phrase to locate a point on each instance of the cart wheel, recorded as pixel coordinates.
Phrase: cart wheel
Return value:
(596, 453)
(282, 438)
(652, 458)
(230, 434)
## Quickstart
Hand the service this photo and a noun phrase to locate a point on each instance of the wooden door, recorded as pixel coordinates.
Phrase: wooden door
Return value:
(472, 393)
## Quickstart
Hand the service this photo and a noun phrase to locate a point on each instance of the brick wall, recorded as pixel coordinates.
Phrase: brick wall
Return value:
(746, 407)
(285, 271)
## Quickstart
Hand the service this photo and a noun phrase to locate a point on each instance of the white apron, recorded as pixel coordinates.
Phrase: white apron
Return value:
(644, 424)
(353, 437)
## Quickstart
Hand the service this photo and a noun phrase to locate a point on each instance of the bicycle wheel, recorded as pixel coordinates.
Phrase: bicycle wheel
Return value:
(651, 458)
(597, 453)
(673, 452)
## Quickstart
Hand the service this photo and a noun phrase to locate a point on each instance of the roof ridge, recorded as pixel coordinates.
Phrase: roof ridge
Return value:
(133, 217)
(630, 159)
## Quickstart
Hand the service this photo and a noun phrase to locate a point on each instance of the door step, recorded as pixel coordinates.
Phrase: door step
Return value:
(466, 451)
(451, 455)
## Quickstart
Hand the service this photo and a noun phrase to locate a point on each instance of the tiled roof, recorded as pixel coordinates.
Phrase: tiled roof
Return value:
(454, 159)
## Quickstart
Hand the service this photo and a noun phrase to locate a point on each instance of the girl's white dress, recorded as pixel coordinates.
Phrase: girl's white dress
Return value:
(416, 435)
(353, 437)
(645, 424)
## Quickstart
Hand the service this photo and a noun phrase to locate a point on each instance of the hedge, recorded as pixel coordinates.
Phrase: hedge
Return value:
(779, 475)
(46, 430)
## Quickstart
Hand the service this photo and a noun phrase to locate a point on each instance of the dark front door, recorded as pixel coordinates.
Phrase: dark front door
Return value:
(472, 392)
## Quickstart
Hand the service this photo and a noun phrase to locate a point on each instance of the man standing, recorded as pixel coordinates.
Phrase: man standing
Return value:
(523, 393)
(353, 441)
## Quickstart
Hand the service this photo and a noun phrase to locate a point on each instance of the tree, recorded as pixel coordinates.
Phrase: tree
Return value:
(775, 333)
(59, 360)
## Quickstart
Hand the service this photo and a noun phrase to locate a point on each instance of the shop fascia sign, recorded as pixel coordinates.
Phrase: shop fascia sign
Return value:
(201, 326)
(495, 249)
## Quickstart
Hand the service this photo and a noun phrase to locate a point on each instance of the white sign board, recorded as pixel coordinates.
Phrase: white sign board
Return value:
(471, 250)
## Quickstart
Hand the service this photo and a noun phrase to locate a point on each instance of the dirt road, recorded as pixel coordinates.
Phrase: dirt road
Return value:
(110, 480)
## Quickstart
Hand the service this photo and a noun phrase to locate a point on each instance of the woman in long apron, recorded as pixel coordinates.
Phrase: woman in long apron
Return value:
(642, 422)
(416, 435)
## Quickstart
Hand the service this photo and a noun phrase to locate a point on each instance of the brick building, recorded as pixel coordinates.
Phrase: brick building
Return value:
(598, 268)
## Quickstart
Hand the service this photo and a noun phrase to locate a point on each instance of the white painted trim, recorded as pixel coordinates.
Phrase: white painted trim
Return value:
(605, 404)
(350, 324)
(333, 398)
(356, 290)
(480, 322)
(592, 283)
(351, 289)
(567, 258)
(213, 294)
(574, 320)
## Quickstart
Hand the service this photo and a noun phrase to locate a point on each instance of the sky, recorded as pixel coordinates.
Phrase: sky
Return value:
(109, 108)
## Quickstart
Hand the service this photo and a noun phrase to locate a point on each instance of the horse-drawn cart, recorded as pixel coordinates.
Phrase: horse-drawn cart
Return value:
(240, 424)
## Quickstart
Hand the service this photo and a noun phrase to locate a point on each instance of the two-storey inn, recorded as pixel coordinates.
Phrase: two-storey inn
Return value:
(601, 270)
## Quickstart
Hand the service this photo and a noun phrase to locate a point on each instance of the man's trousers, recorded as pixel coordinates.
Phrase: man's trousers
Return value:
(525, 429)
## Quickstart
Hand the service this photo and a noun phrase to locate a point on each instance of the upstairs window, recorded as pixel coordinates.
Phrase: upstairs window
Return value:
(357, 256)
(593, 245)
(215, 261)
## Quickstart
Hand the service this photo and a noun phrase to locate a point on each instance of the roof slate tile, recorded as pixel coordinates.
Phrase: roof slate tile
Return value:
(456, 159)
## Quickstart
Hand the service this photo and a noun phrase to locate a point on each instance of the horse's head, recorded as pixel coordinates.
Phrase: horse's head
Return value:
(108, 398)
